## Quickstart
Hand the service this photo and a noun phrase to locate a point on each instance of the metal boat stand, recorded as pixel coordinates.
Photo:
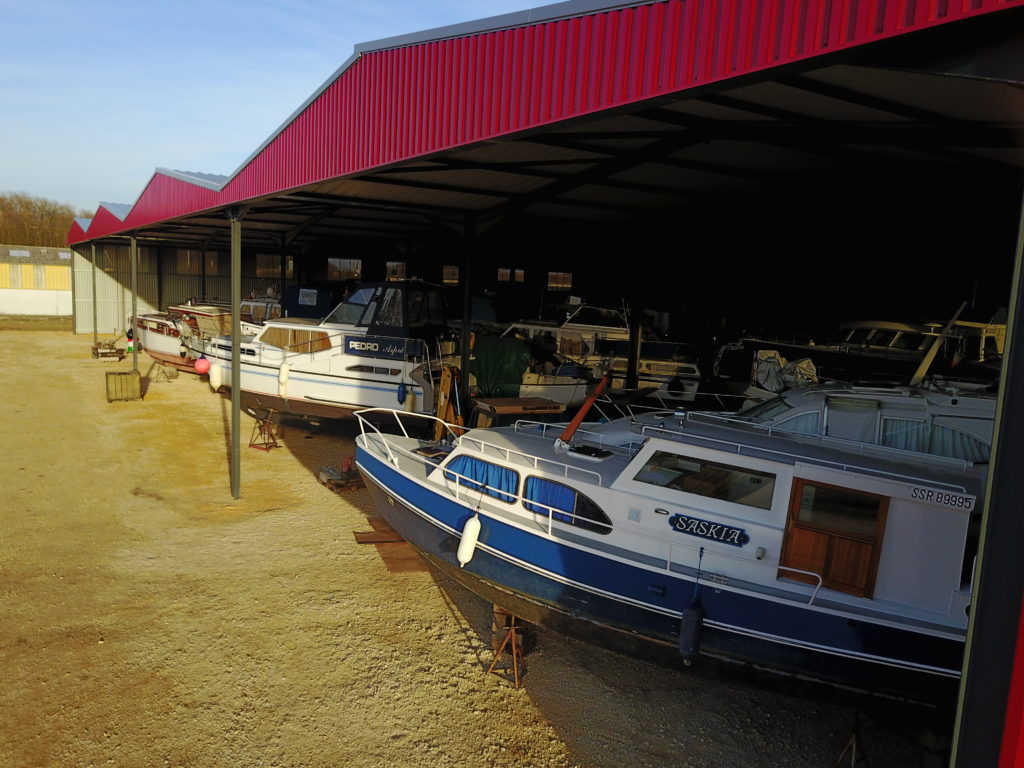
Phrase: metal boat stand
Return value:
(857, 756)
(263, 432)
(505, 626)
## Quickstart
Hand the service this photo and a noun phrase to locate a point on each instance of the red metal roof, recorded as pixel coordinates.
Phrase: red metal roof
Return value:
(419, 98)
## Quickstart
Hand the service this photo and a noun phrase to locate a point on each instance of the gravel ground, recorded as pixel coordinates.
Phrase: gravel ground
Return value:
(150, 619)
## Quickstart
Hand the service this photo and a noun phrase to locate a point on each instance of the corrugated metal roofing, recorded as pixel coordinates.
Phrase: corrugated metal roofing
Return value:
(421, 94)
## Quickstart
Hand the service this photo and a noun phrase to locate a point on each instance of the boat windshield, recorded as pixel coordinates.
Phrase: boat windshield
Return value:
(766, 411)
(351, 309)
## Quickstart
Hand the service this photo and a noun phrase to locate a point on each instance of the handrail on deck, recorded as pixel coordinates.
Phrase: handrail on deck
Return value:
(748, 561)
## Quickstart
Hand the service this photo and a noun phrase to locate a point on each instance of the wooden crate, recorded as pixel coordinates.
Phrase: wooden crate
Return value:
(123, 385)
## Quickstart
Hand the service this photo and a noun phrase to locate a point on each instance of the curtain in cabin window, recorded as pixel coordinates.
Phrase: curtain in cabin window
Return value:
(549, 496)
(499, 482)
(934, 439)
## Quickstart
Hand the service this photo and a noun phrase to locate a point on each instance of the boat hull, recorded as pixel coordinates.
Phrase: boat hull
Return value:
(310, 394)
(637, 611)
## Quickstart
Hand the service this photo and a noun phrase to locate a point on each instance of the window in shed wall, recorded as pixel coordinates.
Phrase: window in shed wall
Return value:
(268, 265)
(559, 281)
(395, 270)
(187, 261)
(344, 269)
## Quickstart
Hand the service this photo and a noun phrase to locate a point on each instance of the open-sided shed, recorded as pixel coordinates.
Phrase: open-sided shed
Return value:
(772, 159)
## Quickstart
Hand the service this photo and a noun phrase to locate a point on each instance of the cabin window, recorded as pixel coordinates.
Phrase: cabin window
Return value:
(858, 335)
(504, 274)
(296, 341)
(374, 369)
(909, 341)
(708, 478)
(883, 338)
(425, 308)
(450, 274)
(803, 424)
(546, 497)
(390, 314)
(350, 310)
(497, 482)
(935, 439)
(519, 275)
(850, 418)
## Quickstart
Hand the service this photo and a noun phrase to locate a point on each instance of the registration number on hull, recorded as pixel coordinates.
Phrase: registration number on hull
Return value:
(943, 498)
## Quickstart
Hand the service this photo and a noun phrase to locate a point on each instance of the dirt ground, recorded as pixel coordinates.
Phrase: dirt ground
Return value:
(148, 618)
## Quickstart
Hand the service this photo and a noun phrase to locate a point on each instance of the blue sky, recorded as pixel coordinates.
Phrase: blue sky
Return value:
(97, 95)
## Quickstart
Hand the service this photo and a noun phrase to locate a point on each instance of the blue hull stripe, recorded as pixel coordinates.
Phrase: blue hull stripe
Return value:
(632, 598)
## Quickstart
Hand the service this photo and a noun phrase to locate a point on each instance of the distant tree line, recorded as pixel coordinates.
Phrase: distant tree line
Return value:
(28, 220)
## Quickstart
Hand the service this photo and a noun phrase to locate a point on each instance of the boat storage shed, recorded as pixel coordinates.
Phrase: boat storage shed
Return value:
(759, 158)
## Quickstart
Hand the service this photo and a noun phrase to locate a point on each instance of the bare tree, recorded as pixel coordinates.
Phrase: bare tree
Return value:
(28, 220)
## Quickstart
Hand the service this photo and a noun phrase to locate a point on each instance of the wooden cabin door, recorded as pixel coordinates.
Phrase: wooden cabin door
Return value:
(835, 532)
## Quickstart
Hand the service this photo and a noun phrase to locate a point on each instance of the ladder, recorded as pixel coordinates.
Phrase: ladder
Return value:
(448, 410)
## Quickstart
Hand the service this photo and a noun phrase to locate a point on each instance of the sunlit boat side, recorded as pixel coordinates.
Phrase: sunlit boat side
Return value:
(830, 535)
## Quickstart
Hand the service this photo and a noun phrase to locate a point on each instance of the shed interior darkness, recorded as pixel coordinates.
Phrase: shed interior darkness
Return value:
(881, 181)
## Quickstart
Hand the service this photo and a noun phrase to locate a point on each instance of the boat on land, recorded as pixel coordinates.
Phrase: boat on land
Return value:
(384, 345)
(828, 534)
(881, 352)
(502, 366)
(598, 338)
(175, 338)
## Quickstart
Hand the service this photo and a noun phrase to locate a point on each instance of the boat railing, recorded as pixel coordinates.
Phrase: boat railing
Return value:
(722, 579)
(614, 406)
(400, 417)
(741, 448)
(456, 436)
(530, 460)
(553, 431)
(858, 446)
(473, 489)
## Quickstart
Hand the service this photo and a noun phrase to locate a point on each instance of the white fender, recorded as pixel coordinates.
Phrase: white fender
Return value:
(282, 379)
(410, 400)
(470, 533)
(216, 374)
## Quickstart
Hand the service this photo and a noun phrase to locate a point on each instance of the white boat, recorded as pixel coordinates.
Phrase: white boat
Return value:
(598, 338)
(158, 335)
(828, 534)
(881, 351)
(176, 337)
(502, 366)
(383, 345)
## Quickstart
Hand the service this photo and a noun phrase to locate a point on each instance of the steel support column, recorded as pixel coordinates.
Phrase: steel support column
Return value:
(235, 218)
(134, 254)
(468, 243)
(985, 709)
(95, 321)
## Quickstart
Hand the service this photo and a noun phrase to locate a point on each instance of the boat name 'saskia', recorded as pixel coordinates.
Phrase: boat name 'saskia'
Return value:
(705, 529)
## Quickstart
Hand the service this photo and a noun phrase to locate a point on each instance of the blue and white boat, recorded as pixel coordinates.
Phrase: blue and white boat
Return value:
(383, 345)
(829, 533)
